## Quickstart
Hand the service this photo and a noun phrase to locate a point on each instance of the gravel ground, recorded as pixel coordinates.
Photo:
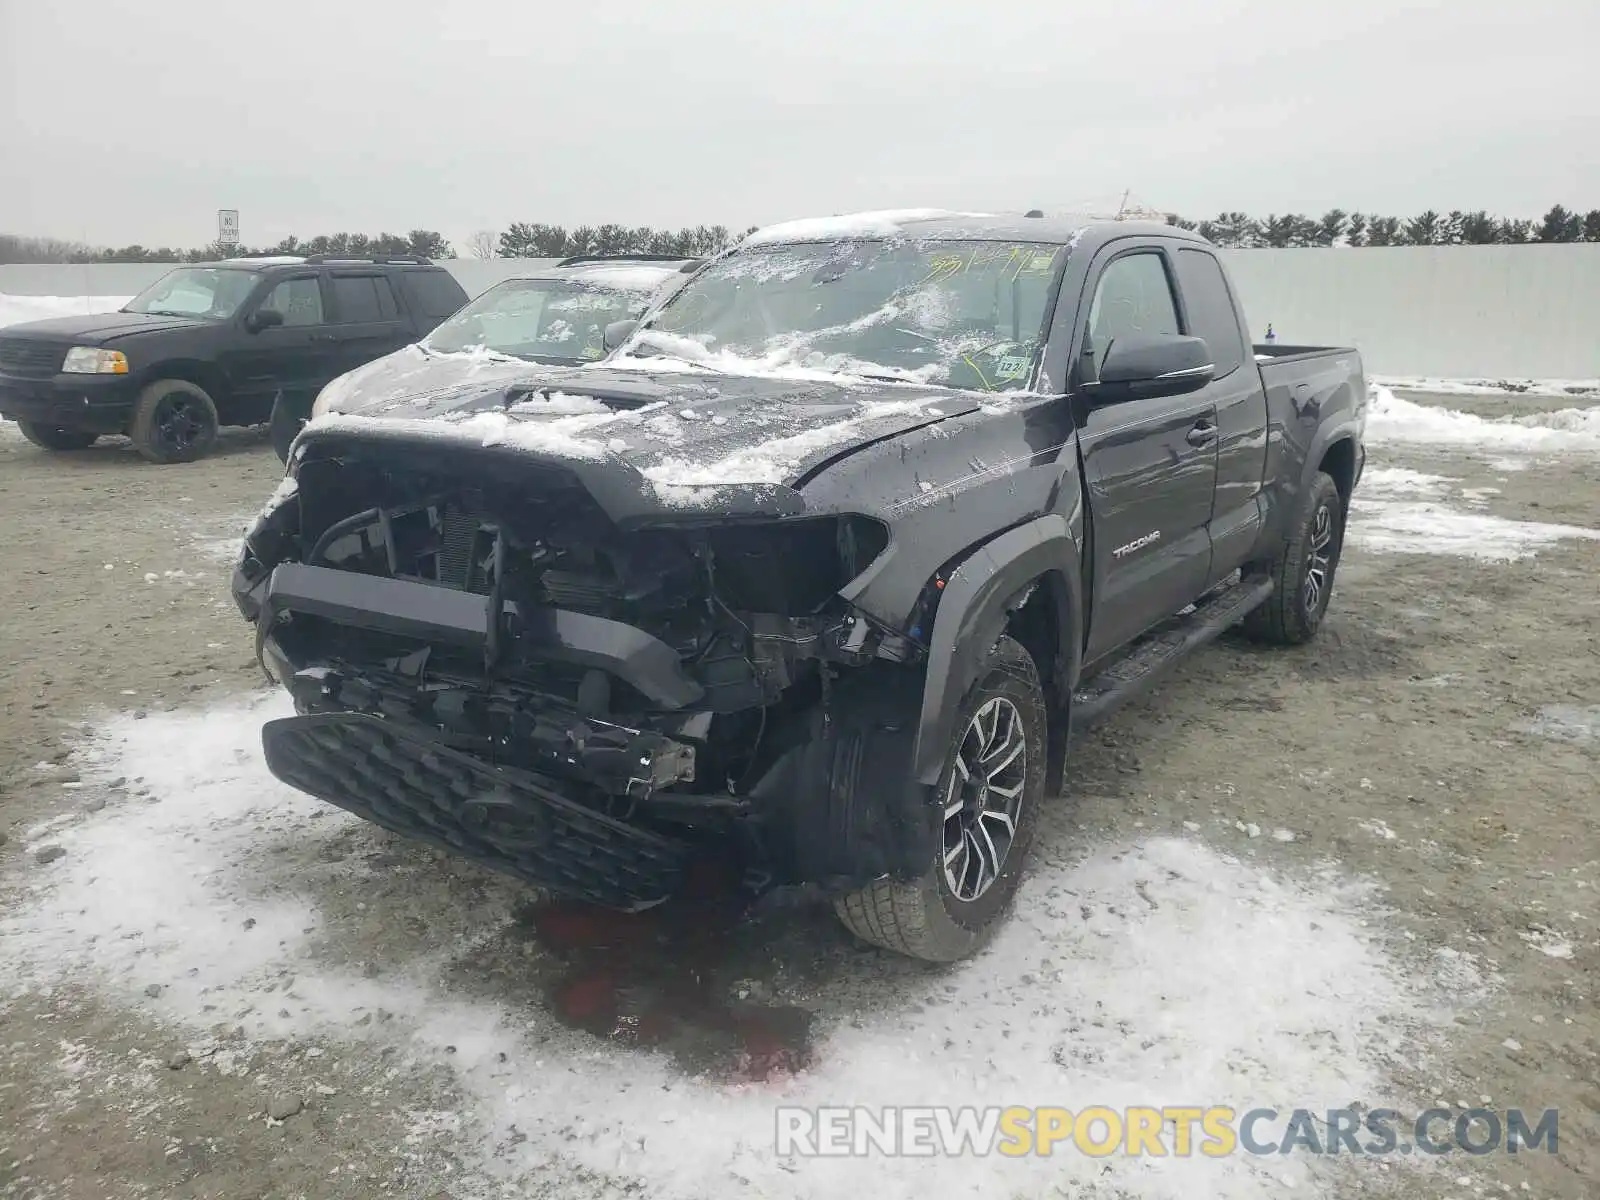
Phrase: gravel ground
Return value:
(1363, 870)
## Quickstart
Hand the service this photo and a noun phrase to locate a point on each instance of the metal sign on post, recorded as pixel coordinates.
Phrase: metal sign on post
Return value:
(228, 226)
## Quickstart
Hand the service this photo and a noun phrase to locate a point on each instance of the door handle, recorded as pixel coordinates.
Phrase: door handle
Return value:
(1202, 434)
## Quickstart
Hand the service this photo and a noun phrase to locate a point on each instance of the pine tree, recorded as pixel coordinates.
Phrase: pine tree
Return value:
(582, 240)
(1477, 229)
(1508, 232)
(1591, 225)
(1332, 226)
(1450, 228)
(1358, 230)
(1559, 225)
(1384, 231)
(1424, 229)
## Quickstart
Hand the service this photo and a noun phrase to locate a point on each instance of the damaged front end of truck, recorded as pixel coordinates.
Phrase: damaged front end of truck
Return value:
(539, 663)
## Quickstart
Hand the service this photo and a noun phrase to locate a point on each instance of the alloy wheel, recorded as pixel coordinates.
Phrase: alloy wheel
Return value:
(984, 799)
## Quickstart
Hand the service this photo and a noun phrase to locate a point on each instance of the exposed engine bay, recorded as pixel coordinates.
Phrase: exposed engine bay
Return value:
(484, 659)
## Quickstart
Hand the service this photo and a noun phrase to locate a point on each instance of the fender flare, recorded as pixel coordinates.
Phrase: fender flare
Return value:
(1325, 437)
(973, 610)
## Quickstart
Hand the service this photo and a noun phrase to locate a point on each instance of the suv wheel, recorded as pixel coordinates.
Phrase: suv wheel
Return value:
(54, 437)
(174, 421)
(990, 792)
(1303, 576)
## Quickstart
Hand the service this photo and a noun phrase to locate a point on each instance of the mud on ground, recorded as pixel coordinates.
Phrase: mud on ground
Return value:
(1440, 739)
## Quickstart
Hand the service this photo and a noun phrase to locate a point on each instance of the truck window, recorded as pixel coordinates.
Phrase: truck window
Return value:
(1132, 297)
(1210, 308)
(361, 298)
(299, 300)
(435, 294)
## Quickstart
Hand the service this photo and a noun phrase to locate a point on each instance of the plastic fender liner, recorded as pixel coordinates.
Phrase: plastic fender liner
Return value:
(972, 615)
(841, 801)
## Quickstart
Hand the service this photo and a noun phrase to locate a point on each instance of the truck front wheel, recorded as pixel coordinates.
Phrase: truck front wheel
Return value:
(990, 793)
(174, 421)
(1302, 575)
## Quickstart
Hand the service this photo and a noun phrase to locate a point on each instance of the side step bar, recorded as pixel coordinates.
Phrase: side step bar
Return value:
(1152, 656)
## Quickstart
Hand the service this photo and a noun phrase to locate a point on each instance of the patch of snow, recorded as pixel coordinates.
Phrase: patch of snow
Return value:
(775, 460)
(14, 310)
(492, 428)
(1484, 387)
(1394, 420)
(639, 280)
(1566, 723)
(288, 488)
(1400, 511)
(884, 223)
(1272, 991)
(559, 404)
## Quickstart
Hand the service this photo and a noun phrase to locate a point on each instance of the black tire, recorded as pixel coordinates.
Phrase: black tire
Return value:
(1303, 575)
(928, 918)
(174, 421)
(54, 437)
(290, 412)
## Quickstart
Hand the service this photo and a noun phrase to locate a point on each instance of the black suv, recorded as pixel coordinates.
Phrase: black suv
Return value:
(214, 344)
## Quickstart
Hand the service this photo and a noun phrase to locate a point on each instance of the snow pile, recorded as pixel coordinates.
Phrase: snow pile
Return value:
(1399, 511)
(14, 310)
(1161, 973)
(1395, 420)
(1484, 387)
(883, 223)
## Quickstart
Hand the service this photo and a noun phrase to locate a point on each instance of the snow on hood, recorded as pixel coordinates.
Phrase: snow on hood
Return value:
(414, 373)
(677, 431)
(882, 223)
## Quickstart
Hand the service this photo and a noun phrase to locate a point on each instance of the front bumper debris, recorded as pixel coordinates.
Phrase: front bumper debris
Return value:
(513, 820)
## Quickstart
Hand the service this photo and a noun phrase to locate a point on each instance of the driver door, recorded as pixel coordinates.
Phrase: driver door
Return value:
(1150, 464)
(296, 356)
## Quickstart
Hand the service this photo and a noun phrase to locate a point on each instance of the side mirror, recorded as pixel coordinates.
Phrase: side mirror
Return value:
(1142, 367)
(616, 333)
(263, 318)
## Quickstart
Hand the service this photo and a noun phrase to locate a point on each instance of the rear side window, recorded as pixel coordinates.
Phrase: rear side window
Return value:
(1210, 308)
(1133, 298)
(363, 298)
(434, 294)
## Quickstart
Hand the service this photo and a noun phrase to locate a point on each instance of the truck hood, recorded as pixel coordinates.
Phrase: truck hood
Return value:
(96, 329)
(666, 439)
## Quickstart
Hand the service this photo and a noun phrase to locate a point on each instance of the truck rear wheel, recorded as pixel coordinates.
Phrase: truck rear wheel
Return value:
(54, 437)
(990, 790)
(174, 421)
(1302, 575)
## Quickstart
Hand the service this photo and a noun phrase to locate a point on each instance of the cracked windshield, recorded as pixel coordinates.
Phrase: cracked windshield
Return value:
(964, 314)
(547, 321)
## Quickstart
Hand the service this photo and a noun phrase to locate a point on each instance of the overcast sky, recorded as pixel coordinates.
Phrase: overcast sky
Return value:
(129, 122)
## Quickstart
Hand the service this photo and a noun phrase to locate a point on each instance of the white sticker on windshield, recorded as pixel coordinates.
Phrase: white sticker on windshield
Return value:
(1012, 366)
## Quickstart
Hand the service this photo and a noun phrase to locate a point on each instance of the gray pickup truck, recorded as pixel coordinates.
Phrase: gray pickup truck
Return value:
(817, 572)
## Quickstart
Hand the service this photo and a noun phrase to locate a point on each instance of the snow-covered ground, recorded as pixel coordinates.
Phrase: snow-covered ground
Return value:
(1395, 420)
(14, 310)
(1157, 972)
(1487, 387)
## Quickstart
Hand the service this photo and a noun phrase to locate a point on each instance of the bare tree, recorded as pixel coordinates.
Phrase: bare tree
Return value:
(484, 244)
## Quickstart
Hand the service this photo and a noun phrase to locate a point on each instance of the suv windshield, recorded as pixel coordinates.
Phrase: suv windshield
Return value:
(549, 320)
(967, 314)
(214, 293)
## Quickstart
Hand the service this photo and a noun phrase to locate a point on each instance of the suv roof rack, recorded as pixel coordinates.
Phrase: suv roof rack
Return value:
(414, 259)
(573, 260)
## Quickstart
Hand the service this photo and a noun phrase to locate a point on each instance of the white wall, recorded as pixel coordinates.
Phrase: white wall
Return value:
(1452, 312)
